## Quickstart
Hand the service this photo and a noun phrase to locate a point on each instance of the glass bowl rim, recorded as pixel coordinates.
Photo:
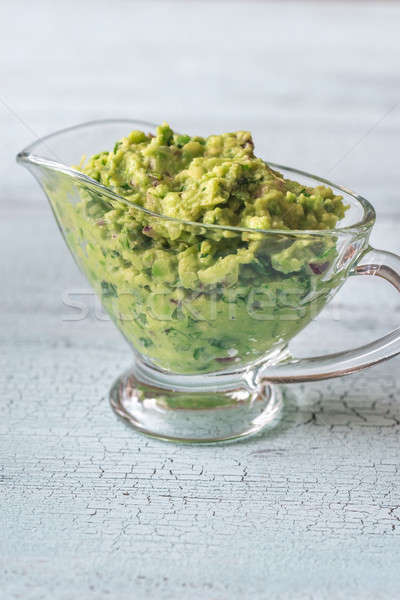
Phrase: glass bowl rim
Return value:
(27, 156)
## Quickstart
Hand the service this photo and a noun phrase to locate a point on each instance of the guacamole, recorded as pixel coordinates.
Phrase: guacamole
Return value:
(213, 180)
(199, 281)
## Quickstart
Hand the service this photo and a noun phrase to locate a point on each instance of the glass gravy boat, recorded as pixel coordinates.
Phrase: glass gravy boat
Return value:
(209, 332)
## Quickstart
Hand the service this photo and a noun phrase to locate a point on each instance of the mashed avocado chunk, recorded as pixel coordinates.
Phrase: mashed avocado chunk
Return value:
(213, 180)
(190, 292)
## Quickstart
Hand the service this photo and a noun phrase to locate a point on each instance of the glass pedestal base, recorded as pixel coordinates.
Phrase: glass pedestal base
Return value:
(198, 409)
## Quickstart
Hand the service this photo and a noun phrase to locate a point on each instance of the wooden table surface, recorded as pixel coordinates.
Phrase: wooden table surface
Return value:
(91, 509)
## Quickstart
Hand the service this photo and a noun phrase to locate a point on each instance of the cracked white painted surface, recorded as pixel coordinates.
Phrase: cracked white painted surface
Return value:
(89, 508)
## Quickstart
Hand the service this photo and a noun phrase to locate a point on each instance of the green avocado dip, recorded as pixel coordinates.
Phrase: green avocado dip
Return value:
(199, 281)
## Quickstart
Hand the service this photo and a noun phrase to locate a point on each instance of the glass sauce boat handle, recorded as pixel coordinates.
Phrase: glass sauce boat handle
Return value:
(294, 370)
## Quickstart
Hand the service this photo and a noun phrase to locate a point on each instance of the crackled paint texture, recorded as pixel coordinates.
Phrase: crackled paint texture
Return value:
(89, 508)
